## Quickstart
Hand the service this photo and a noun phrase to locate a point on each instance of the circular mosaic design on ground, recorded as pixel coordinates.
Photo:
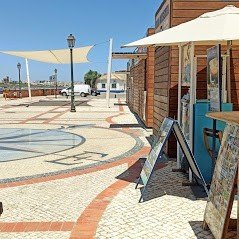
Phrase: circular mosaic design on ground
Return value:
(18, 144)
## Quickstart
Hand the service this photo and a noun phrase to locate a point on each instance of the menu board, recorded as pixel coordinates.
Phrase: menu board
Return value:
(157, 149)
(214, 78)
(221, 192)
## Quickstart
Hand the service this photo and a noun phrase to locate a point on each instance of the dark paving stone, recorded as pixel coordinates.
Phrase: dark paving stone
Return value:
(125, 126)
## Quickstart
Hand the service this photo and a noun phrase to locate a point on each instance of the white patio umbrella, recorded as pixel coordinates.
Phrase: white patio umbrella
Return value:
(209, 29)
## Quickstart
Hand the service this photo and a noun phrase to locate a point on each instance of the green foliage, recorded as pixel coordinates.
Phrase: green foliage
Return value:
(90, 77)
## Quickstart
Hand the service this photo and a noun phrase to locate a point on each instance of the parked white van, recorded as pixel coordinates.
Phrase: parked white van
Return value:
(82, 90)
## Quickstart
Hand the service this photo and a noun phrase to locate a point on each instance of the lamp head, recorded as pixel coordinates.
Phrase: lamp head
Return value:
(71, 41)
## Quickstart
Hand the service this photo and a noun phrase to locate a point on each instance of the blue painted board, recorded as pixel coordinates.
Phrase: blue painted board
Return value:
(201, 121)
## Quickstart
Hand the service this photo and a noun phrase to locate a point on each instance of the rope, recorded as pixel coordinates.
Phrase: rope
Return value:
(101, 43)
(55, 57)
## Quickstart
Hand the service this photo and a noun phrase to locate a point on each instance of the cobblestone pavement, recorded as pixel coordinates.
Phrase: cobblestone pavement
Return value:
(87, 190)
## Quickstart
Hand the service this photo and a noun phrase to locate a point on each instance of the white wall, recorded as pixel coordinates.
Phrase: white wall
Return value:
(120, 85)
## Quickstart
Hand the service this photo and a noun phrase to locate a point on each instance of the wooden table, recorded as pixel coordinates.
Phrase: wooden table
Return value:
(228, 117)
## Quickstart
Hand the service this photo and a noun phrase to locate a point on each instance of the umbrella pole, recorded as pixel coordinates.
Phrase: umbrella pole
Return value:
(229, 96)
(192, 101)
(179, 100)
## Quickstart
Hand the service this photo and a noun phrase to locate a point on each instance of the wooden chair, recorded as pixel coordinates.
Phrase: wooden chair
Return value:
(208, 133)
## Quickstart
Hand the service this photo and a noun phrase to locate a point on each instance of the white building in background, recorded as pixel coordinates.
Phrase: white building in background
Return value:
(117, 82)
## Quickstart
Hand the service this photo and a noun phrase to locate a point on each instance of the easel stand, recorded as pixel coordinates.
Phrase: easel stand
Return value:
(157, 154)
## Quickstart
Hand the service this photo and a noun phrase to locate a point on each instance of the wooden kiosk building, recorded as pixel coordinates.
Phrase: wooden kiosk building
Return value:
(169, 14)
(140, 84)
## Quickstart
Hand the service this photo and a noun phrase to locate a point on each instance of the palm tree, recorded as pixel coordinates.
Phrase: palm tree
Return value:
(90, 77)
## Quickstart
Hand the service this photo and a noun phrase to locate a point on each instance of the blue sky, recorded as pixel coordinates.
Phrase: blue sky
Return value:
(45, 24)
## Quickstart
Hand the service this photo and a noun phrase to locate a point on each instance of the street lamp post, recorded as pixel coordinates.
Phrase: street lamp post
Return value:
(71, 43)
(19, 79)
(56, 82)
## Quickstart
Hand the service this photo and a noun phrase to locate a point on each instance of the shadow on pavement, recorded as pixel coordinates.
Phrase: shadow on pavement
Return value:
(162, 182)
(206, 234)
(125, 126)
(199, 232)
(132, 173)
(58, 103)
(124, 104)
(165, 182)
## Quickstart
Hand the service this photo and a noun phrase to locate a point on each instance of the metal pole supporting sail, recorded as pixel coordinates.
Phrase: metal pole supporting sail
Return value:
(109, 72)
(28, 81)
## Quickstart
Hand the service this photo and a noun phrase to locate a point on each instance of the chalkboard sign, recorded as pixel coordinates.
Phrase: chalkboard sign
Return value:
(221, 196)
(168, 126)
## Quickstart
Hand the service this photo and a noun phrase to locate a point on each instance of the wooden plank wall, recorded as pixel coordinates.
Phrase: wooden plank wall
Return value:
(137, 73)
(129, 92)
(161, 89)
(142, 73)
(150, 82)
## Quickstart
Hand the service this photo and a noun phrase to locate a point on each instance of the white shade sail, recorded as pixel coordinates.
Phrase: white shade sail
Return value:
(54, 56)
(208, 29)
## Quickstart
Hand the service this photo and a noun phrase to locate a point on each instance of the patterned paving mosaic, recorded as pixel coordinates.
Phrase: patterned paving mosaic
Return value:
(75, 177)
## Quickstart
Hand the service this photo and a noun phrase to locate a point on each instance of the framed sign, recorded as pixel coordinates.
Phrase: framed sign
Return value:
(221, 196)
(168, 126)
(157, 150)
(162, 17)
(214, 78)
(186, 64)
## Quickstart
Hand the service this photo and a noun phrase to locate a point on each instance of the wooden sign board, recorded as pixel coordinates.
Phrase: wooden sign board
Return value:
(168, 126)
(221, 194)
(186, 64)
(214, 78)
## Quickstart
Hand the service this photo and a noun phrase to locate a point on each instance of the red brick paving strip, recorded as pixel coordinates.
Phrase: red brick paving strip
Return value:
(87, 223)
(121, 108)
(110, 119)
(35, 226)
(55, 117)
(38, 115)
(60, 114)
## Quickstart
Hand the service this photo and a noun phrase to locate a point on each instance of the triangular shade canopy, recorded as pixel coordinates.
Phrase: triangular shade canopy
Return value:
(209, 29)
(54, 56)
